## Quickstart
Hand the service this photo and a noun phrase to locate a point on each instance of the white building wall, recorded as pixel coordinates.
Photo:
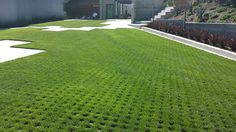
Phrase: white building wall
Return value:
(128, 7)
(145, 9)
(20, 12)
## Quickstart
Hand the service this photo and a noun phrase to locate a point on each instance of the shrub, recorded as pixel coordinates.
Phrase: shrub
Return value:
(218, 40)
(234, 18)
(212, 8)
(231, 10)
(214, 16)
(225, 17)
(221, 9)
(205, 17)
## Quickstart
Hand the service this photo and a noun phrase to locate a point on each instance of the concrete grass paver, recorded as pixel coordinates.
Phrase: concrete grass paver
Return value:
(8, 53)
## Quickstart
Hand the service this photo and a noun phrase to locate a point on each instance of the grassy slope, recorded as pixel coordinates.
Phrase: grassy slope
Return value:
(115, 79)
(72, 23)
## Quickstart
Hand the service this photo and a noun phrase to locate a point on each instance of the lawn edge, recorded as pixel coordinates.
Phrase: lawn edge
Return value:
(210, 49)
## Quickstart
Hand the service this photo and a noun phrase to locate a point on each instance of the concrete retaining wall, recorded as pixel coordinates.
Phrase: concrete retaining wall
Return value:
(220, 28)
(215, 28)
(174, 22)
(23, 12)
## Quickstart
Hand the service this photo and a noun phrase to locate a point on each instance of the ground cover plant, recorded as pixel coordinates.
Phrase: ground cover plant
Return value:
(209, 11)
(115, 80)
(224, 41)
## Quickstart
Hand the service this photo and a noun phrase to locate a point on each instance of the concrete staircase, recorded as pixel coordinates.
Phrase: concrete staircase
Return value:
(164, 14)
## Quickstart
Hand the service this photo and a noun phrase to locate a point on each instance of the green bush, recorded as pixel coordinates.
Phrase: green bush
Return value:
(232, 10)
(168, 2)
(234, 18)
(225, 17)
(214, 16)
(205, 16)
(212, 8)
(210, 21)
(221, 9)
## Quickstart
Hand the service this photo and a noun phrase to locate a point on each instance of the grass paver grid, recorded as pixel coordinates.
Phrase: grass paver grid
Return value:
(115, 80)
(72, 23)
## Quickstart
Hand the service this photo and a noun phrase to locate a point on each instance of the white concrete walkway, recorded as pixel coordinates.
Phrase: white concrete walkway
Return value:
(109, 24)
(8, 53)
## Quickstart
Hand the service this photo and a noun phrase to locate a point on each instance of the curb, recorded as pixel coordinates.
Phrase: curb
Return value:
(205, 47)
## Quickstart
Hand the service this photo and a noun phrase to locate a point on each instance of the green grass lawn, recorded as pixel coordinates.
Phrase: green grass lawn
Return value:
(72, 23)
(115, 80)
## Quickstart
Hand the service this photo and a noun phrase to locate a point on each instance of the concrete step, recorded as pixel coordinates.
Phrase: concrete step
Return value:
(164, 13)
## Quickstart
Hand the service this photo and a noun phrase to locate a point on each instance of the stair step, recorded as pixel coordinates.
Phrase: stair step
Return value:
(163, 13)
